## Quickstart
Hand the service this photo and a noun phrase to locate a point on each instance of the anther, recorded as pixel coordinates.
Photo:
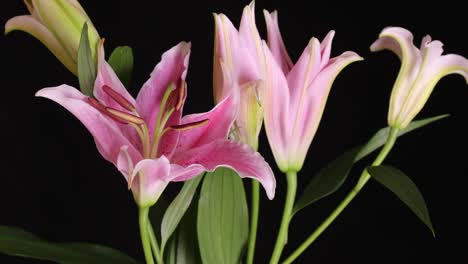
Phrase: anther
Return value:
(126, 118)
(191, 125)
(118, 98)
(181, 96)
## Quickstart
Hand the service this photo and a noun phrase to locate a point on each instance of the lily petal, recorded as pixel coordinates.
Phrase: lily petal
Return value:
(275, 102)
(125, 165)
(276, 43)
(432, 73)
(239, 157)
(107, 77)
(233, 51)
(32, 26)
(220, 119)
(400, 41)
(171, 69)
(311, 112)
(250, 37)
(107, 135)
(303, 74)
(150, 180)
(325, 48)
(180, 173)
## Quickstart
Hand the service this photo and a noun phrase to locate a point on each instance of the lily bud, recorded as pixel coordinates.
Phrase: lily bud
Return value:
(58, 25)
(239, 71)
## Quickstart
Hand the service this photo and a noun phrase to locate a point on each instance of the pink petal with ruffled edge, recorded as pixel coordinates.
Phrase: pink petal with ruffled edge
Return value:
(151, 176)
(108, 136)
(239, 157)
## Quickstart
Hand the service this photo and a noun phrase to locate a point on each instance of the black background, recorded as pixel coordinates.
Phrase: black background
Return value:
(54, 182)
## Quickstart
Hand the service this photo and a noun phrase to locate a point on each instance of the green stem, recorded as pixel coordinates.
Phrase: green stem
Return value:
(253, 221)
(154, 245)
(288, 207)
(143, 221)
(365, 176)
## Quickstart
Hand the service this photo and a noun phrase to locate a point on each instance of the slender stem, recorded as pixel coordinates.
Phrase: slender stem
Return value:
(365, 176)
(253, 221)
(154, 244)
(288, 207)
(143, 221)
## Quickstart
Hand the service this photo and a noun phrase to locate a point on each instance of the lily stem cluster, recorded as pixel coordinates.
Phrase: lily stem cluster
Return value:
(365, 176)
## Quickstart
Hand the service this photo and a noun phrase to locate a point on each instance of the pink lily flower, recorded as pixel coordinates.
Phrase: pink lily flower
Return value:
(295, 95)
(147, 138)
(238, 70)
(420, 71)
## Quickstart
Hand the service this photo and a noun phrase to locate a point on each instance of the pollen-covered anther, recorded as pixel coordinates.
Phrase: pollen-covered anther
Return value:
(118, 98)
(181, 98)
(124, 117)
(191, 125)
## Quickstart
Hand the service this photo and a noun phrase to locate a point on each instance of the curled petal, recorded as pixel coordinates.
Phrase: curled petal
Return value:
(400, 41)
(151, 177)
(180, 173)
(125, 165)
(32, 26)
(431, 75)
(275, 42)
(108, 136)
(234, 155)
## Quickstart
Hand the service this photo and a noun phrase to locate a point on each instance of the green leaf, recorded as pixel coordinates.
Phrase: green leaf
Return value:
(17, 242)
(183, 246)
(381, 136)
(330, 178)
(87, 69)
(121, 61)
(177, 208)
(405, 189)
(327, 180)
(223, 224)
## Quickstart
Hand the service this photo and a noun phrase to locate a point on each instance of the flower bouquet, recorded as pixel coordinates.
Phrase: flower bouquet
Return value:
(154, 144)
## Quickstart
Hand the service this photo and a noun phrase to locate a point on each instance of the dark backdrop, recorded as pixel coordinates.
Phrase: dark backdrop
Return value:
(54, 182)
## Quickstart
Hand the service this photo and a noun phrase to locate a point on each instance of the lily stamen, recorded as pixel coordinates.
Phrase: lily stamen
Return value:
(187, 126)
(118, 98)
